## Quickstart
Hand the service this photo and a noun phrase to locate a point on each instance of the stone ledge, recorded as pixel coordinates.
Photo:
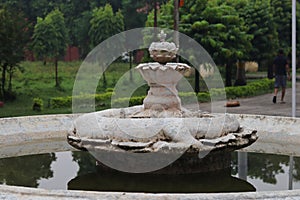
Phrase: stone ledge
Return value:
(13, 192)
(271, 129)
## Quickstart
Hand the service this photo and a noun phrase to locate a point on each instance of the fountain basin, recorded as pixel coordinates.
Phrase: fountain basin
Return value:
(278, 135)
(138, 145)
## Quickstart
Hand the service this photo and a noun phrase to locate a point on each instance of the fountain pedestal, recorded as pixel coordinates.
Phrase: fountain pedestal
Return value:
(162, 80)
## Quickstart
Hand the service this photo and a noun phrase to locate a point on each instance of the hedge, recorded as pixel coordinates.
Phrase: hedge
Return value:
(65, 102)
(251, 89)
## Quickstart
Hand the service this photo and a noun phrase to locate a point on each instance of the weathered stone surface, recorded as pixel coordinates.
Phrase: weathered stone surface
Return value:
(20, 193)
(276, 135)
(141, 134)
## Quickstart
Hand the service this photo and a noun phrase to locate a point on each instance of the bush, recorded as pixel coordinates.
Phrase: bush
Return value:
(203, 97)
(125, 102)
(188, 97)
(66, 102)
(109, 89)
(37, 104)
(252, 89)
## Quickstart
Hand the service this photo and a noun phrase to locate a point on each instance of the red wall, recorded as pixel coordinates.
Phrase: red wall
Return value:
(72, 54)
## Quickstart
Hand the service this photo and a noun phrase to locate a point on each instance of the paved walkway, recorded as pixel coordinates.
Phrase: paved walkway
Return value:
(261, 105)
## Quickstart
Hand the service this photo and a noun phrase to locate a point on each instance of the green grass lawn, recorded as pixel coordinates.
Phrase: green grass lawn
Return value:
(38, 81)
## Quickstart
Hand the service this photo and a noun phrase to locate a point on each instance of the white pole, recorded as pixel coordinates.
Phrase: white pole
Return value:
(293, 58)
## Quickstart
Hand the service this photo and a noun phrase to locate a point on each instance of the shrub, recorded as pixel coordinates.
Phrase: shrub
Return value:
(253, 88)
(109, 89)
(203, 97)
(65, 102)
(188, 97)
(37, 104)
(125, 102)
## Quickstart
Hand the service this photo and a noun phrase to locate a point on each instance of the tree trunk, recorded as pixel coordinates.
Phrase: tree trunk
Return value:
(240, 74)
(1, 95)
(155, 13)
(56, 72)
(104, 78)
(197, 80)
(130, 66)
(228, 74)
(10, 79)
(155, 19)
(45, 61)
(4, 68)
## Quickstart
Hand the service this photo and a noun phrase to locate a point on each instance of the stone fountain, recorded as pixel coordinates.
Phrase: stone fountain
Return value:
(160, 136)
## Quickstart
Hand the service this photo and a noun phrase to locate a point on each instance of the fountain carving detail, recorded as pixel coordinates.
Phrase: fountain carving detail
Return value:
(161, 125)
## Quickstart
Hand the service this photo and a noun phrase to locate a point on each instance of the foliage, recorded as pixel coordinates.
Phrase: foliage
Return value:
(282, 17)
(259, 18)
(134, 13)
(218, 27)
(63, 102)
(104, 24)
(165, 16)
(125, 102)
(13, 39)
(38, 104)
(50, 35)
(253, 88)
(81, 33)
(26, 170)
(50, 38)
(266, 166)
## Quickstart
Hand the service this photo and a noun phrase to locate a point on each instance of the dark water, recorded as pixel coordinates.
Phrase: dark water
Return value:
(78, 171)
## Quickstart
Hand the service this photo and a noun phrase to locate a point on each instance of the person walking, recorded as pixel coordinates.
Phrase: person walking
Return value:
(281, 71)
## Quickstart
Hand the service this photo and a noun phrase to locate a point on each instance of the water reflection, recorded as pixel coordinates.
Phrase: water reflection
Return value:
(86, 162)
(263, 171)
(296, 171)
(90, 177)
(220, 181)
(26, 170)
(262, 166)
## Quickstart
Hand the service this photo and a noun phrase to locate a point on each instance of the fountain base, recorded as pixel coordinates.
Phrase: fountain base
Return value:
(189, 163)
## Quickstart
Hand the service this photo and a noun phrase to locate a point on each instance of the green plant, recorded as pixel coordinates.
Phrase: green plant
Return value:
(66, 102)
(37, 104)
(125, 102)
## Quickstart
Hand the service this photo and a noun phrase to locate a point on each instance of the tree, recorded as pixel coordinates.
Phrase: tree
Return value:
(81, 33)
(50, 38)
(135, 13)
(13, 40)
(165, 16)
(26, 170)
(104, 24)
(258, 17)
(217, 26)
(77, 16)
(282, 13)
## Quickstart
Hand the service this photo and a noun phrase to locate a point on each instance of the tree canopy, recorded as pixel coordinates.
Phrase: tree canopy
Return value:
(13, 39)
(105, 23)
(50, 38)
